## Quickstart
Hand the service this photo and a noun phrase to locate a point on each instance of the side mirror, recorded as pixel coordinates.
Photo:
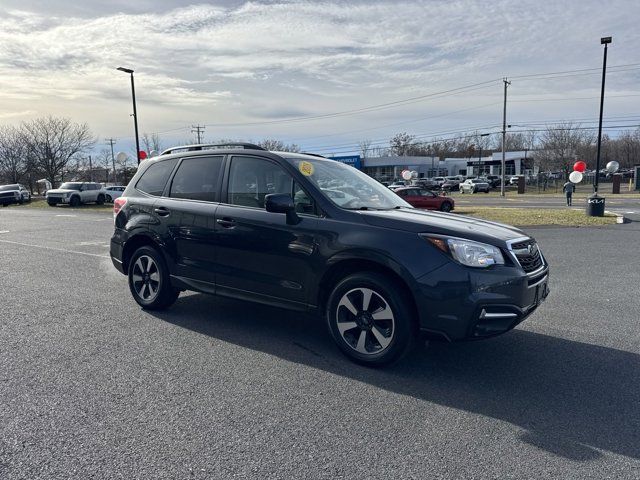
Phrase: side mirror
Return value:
(282, 203)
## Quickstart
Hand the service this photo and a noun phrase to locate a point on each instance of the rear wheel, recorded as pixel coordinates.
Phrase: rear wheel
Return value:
(100, 200)
(149, 280)
(371, 320)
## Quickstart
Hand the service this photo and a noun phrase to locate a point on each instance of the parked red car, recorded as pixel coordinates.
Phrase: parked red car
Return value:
(423, 198)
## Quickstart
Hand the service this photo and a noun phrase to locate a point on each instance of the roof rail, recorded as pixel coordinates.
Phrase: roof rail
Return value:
(205, 146)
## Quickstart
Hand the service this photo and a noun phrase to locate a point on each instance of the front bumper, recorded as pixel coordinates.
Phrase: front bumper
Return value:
(460, 303)
(57, 200)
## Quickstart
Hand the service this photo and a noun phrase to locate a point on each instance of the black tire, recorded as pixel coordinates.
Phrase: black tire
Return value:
(52, 204)
(398, 332)
(74, 201)
(445, 207)
(161, 294)
(100, 200)
(462, 191)
(109, 199)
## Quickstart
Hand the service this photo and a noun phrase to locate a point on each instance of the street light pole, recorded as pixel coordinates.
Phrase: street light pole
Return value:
(135, 113)
(603, 41)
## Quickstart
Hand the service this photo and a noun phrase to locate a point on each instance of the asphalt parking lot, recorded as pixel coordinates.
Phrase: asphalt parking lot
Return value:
(91, 386)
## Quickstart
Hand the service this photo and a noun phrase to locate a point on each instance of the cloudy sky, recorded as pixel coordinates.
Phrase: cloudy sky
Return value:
(309, 71)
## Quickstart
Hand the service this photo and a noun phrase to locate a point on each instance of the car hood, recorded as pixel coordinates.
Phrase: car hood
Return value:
(61, 190)
(455, 225)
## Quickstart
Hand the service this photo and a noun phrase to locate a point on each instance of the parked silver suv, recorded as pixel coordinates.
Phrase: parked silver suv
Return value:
(76, 193)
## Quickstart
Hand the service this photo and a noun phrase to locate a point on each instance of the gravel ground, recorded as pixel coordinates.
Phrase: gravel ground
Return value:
(91, 386)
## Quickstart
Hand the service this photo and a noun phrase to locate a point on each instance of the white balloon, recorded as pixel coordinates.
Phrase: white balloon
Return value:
(575, 177)
(613, 166)
(406, 175)
(121, 156)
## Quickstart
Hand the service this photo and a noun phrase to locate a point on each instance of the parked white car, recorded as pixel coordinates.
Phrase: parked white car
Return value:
(474, 185)
(14, 193)
(111, 193)
(76, 193)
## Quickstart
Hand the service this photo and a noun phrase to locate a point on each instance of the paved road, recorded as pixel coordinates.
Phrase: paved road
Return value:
(93, 387)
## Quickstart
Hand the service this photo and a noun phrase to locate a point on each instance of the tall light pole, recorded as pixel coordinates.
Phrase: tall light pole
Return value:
(595, 204)
(135, 113)
(603, 41)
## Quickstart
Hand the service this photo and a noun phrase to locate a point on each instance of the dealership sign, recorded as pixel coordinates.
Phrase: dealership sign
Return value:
(353, 160)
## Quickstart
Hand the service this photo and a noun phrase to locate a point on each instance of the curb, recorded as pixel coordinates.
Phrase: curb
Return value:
(620, 218)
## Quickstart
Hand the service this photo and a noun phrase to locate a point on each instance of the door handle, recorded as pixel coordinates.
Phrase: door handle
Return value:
(162, 211)
(226, 222)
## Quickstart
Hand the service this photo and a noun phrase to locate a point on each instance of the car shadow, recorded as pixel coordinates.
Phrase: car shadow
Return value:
(570, 398)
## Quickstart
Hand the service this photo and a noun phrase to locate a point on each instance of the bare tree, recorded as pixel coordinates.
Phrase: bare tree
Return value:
(14, 162)
(402, 144)
(365, 148)
(561, 145)
(278, 145)
(151, 142)
(54, 143)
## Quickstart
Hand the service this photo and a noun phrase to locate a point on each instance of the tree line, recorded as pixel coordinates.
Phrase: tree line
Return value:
(553, 148)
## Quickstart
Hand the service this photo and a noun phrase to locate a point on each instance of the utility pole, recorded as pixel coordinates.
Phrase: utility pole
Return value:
(90, 170)
(197, 129)
(111, 142)
(504, 134)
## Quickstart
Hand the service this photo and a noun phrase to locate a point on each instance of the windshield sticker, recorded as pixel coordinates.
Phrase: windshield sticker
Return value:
(306, 168)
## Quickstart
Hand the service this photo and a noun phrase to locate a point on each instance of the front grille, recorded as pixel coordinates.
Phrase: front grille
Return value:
(528, 255)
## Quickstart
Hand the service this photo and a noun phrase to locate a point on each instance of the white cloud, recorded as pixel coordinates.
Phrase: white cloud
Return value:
(215, 64)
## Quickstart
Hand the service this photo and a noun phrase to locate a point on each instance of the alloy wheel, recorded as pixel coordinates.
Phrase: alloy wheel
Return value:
(365, 321)
(146, 278)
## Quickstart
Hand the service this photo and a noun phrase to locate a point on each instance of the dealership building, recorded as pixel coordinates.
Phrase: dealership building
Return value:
(390, 168)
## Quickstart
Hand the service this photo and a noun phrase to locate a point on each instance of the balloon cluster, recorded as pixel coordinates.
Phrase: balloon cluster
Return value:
(578, 169)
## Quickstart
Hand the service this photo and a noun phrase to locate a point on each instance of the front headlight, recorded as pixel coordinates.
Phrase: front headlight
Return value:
(468, 252)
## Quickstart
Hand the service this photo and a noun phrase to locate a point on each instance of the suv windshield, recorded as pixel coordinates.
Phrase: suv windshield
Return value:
(346, 186)
(71, 186)
(9, 187)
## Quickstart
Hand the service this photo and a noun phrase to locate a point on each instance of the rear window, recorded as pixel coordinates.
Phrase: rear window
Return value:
(154, 179)
(197, 178)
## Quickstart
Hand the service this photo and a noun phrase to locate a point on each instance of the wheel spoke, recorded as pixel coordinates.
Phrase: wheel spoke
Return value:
(136, 278)
(139, 265)
(366, 298)
(383, 314)
(155, 277)
(346, 302)
(382, 340)
(344, 326)
(360, 347)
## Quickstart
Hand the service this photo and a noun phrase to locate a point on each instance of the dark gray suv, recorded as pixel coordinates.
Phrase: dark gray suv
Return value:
(309, 233)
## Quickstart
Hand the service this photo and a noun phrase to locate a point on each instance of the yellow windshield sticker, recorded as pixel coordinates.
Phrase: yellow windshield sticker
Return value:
(306, 168)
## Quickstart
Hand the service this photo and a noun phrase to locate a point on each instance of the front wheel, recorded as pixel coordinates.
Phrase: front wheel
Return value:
(445, 207)
(109, 199)
(149, 280)
(74, 201)
(370, 319)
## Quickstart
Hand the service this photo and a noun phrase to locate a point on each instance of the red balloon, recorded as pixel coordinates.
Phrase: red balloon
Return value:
(580, 166)
(142, 154)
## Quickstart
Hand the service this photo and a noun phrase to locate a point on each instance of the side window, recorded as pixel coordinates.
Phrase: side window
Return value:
(155, 178)
(251, 179)
(197, 178)
(427, 193)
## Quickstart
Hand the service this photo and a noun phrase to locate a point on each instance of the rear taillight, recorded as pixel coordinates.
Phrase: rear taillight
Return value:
(118, 204)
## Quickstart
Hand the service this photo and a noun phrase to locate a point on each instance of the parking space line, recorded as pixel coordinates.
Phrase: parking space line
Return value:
(54, 249)
(4, 231)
